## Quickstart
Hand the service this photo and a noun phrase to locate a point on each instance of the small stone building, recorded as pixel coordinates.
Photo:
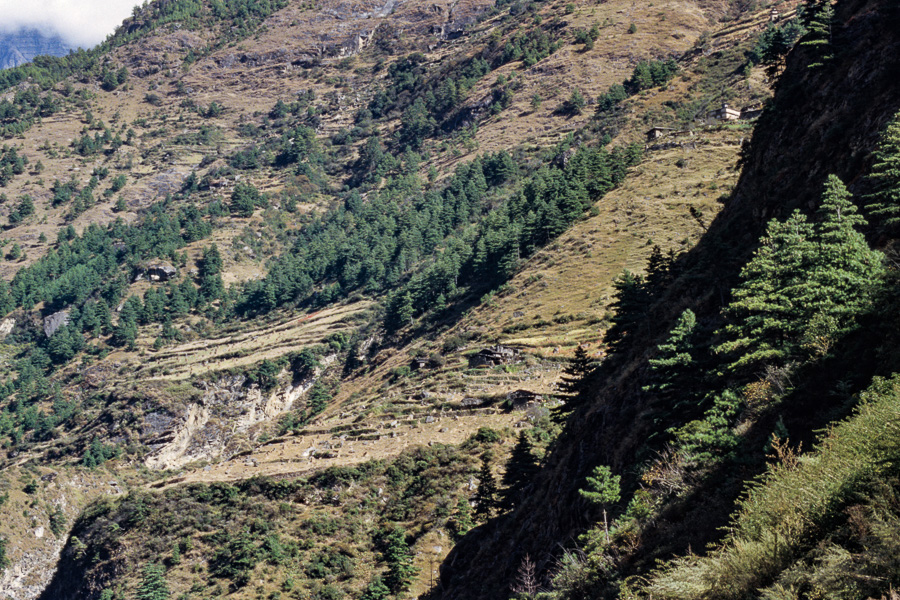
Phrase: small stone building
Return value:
(657, 132)
(493, 356)
(726, 113)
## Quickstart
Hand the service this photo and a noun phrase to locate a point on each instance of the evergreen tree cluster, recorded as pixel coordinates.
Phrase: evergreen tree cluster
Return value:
(805, 287)
(90, 265)
(98, 453)
(551, 200)
(24, 208)
(645, 75)
(634, 295)
(426, 104)
(28, 104)
(774, 43)
(11, 164)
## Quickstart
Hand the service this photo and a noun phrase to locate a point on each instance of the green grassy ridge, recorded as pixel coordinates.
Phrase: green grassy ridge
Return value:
(802, 504)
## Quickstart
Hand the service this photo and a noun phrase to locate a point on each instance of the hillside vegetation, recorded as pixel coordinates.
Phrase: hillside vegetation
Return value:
(365, 299)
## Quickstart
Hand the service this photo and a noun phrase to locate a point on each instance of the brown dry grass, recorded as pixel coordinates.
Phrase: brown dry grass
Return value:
(243, 347)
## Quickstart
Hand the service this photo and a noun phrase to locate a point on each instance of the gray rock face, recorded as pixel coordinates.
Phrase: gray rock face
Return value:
(19, 47)
(55, 321)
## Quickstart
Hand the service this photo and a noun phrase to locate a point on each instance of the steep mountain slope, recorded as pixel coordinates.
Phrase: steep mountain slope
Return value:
(277, 130)
(820, 121)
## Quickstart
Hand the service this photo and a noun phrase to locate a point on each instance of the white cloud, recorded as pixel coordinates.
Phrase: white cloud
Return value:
(83, 23)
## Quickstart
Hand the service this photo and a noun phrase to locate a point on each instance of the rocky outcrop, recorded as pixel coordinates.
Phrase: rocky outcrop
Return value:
(215, 427)
(55, 321)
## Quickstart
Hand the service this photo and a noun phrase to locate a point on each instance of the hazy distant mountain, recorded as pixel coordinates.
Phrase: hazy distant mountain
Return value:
(21, 46)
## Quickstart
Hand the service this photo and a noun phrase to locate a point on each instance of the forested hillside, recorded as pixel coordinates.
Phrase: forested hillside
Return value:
(354, 299)
(716, 427)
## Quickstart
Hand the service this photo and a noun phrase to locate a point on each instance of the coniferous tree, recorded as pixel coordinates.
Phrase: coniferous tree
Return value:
(401, 570)
(844, 270)
(486, 494)
(884, 202)
(659, 270)
(210, 268)
(765, 325)
(603, 490)
(153, 585)
(629, 306)
(376, 590)
(520, 469)
(576, 373)
(806, 285)
(462, 519)
(673, 368)
(817, 18)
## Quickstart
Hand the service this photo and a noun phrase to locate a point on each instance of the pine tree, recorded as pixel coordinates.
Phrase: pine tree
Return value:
(765, 318)
(673, 369)
(520, 469)
(603, 489)
(575, 376)
(4, 560)
(817, 18)
(806, 285)
(630, 305)
(486, 494)
(659, 270)
(401, 570)
(462, 519)
(376, 590)
(844, 270)
(153, 586)
(884, 202)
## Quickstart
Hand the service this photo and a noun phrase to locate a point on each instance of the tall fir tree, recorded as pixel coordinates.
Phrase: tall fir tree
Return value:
(659, 270)
(844, 270)
(401, 570)
(764, 316)
(883, 204)
(462, 519)
(674, 370)
(153, 583)
(603, 489)
(520, 470)
(575, 377)
(817, 19)
(630, 306)
(486, 493)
